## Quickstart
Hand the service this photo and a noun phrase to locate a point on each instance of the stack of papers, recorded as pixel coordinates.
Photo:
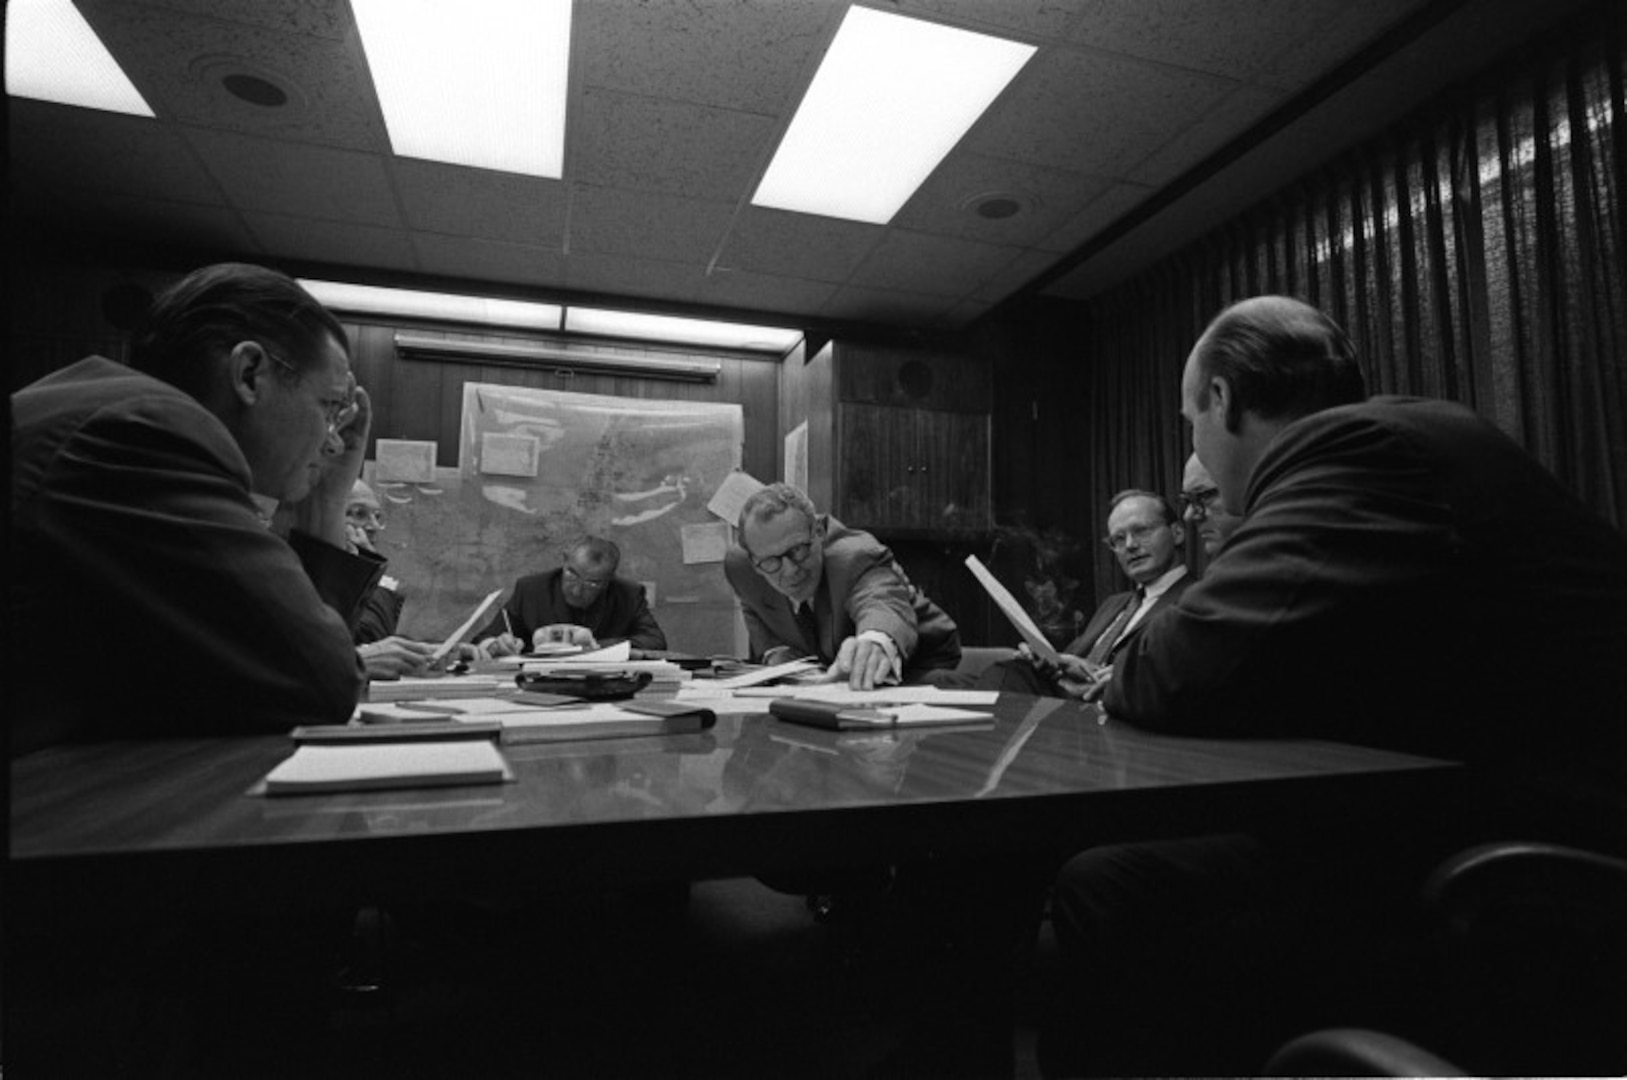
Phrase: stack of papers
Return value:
(447, 686)
(317, 767)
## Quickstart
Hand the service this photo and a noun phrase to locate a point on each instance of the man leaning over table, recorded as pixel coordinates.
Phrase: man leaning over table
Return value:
(133, 505)
(810, 586)
(581, 602)
(1405, 576)
(1147, 537)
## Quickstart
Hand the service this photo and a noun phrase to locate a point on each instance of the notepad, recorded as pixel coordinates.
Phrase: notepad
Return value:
(604, 721)
(836, 716)
(325, 768)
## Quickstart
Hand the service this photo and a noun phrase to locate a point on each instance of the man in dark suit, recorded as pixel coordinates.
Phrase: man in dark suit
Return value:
(1147, 538)
(1404, 576)
(133, 504)
(583, 602)
(810, 586)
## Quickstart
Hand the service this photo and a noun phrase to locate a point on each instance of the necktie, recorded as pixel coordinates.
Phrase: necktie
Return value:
(809, 627)
(1115, 630)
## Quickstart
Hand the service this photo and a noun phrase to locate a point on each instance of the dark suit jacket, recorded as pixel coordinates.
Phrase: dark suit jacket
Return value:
(619, 611)
(161, 603)
(863, 588)
(1109, 610)
(1405, 576)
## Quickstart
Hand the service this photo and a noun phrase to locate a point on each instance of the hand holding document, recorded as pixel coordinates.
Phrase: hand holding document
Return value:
(1012, 610)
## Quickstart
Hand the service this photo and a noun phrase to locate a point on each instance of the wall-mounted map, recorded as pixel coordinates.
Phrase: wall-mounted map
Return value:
(632, 470)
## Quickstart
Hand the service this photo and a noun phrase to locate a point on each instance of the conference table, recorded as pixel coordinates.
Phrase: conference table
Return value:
(158, 820)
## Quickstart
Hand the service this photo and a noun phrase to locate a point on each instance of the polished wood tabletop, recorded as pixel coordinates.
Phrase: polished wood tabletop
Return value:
(753, 794)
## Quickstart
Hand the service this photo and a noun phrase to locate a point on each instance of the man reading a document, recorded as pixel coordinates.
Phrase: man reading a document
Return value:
(810, 586)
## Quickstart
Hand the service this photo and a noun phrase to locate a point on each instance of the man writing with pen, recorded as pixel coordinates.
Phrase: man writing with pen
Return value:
(811, 587)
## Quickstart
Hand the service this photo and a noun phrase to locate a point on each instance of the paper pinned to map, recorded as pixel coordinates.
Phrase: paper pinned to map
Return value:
(732, 494)
(468, 624)
(1014, 611)
(404, 460)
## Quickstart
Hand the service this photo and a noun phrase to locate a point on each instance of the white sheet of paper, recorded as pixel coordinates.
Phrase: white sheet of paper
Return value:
(1013, 610)
(707, 542)
(408, 460)
(468, 624)
(777, 671)
(732, 494)
(841, 694)
(367, 765)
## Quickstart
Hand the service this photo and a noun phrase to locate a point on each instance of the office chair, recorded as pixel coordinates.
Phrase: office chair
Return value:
(1530, 970)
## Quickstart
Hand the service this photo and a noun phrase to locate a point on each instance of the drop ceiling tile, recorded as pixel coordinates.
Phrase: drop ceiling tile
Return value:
(1237, 39)
(490, 260)
(1090, 112)
(177, 61)
(215, 231)
(1237, 112)
(290, 178)
(63, 146)
(619, 275)
(1022, 19)
(322, 18)
(749, 55)
(338, 242)
(763, 292)
(1101, 212)
(923, 263)
(624, 141)
(642, 223)
(1013, 276)
(481, 202)
(962, 314)
(1336, 31)
(1047, 197)
(884, 306)
(801, 245)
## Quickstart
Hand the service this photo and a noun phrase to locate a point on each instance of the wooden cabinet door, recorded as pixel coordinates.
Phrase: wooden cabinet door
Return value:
(913, 470)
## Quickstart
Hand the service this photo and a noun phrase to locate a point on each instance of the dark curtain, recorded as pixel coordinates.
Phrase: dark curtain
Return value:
(1474, 252)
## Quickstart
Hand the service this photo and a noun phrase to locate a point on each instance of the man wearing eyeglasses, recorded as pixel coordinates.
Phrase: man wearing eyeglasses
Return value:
(1201, 508)
(810, 586)
(1147, 538)
(581, 603)
(139, 500)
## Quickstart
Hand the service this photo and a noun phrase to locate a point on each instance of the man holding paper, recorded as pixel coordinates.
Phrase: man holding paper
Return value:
(1147, 537)
(810, 586)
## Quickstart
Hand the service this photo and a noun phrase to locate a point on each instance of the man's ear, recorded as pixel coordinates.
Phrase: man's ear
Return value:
(1224, 401)
(248, 369)
(1177, 529)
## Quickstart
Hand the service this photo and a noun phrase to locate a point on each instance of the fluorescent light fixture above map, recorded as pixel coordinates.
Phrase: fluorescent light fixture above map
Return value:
(485, 311)
(891, 99)
(478, 82)
(643, 327)
(52, 54)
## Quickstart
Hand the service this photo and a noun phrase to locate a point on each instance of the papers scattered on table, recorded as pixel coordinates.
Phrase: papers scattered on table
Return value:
(885, 695)
(837, 716)
(369, 767)
(767, 674)
(447, 686)
(604, 720)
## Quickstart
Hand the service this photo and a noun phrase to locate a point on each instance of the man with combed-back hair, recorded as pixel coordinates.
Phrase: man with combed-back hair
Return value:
(134, 510)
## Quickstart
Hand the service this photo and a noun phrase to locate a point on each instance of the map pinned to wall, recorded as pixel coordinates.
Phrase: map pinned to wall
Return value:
(632, 470)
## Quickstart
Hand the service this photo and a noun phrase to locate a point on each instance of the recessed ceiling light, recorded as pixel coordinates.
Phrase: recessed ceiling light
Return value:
(484, 311)
(892, 97)
(52, 54)
(643, 327)
(255, 90)
(480, 82)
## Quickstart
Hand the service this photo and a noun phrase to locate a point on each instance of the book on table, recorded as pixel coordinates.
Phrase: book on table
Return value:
(604, 720)
(880, 716)
(336, 767)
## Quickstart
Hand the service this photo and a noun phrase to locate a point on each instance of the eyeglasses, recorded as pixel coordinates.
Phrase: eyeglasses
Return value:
(590, 584)
(1198, 504)
(336, 413)
(772, 564)
(1139, 533)
(363, 515)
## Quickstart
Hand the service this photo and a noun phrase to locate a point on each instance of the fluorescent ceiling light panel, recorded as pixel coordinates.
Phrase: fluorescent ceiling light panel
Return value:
(372, 300)
(641, 327)
(478, 82)
(891, 98)
(52, 54)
